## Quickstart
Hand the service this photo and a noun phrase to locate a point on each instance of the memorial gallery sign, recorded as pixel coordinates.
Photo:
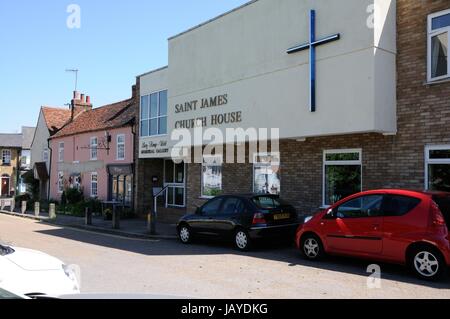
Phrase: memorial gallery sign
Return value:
(209, 103)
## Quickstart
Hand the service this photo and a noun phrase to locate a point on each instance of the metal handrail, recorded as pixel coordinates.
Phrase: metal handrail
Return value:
(154, 214)
(155, 199)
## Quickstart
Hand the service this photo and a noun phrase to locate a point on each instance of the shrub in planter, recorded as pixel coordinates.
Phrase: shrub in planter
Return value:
(77, 209)
(73, 196)
(94, 205)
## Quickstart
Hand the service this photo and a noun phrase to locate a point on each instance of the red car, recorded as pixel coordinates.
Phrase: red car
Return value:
(396, 226)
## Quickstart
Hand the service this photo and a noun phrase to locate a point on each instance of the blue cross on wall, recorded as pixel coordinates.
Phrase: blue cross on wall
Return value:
(312, 55)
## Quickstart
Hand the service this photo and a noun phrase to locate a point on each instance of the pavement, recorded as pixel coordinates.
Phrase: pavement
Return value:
(136, 228)
(113, 264)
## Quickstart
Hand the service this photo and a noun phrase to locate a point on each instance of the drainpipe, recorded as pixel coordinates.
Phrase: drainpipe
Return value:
(133, 132)
(49, 169)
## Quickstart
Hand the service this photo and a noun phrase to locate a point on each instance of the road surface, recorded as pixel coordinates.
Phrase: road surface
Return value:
(111, 264)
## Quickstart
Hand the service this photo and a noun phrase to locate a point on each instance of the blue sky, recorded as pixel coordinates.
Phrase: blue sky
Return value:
(117, 41)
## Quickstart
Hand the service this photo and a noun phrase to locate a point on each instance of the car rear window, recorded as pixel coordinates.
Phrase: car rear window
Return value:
(268, 202)
(444, 205)
(396, 205)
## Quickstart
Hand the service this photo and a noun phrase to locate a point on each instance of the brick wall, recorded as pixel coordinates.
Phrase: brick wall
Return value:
(301, 170)
(423, 110)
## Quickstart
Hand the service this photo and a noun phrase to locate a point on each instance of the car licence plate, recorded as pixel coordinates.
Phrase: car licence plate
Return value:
(281, 216)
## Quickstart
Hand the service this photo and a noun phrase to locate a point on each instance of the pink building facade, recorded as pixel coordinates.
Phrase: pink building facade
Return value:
(95, 154)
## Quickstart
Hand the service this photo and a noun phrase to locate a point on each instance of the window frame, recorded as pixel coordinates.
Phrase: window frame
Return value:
(202, 179)
(96, 184)
(432, 33)
(60, 182)
(93, 148)
(61, 147)
(429, 161)
(174, 184)
(150, 118)
(256, 164)
(326, 163)
(383, 198)
(6, 163)
(45, 154)
(120, 144)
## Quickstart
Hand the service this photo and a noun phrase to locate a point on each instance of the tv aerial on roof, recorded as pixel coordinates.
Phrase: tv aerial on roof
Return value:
(76, 76)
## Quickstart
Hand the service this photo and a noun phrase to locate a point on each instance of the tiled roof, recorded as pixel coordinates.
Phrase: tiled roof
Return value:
(27, 137)
(56, 117)
(106, 117)
(11, 140)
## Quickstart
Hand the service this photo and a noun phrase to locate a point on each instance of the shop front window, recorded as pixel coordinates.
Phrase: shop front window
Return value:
(212, 176)
(342, 175)
(122, 188)
(266, 174)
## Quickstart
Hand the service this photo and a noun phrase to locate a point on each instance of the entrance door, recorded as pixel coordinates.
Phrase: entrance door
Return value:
(174, 179)
(5, 186)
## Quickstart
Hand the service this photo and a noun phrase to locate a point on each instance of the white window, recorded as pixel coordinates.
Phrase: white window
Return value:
(212, 176)
(266, 173)
(94, 148)
(45, 156)
(154, 114)
(6, 157)
(174, 179)
(60, 182)
(342, 174)
(94, 185)
(121, 147)
(437, 168)
(61, 152)
(438, 40)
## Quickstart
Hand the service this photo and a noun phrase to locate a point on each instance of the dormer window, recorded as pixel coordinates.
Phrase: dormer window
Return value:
(438, 40)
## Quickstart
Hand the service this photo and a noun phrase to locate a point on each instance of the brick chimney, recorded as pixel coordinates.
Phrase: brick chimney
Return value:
(80, 104)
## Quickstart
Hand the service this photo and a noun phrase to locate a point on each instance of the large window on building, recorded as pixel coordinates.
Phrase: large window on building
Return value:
(45, 155)
(154, 114)
(6, 157)
(342, 170)
(438, 40)
(94, 148)
(61, 152)
(120, 147)
(60, 182)
(122, 188)
(266, 173)
(212, 176)
(437, 170)
(174, 179)
(94, 185)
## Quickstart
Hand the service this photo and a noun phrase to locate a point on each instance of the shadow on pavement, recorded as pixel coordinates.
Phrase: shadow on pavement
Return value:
(282, 252)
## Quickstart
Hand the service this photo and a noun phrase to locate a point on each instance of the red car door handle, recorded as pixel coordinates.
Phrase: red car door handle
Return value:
(376, 226)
